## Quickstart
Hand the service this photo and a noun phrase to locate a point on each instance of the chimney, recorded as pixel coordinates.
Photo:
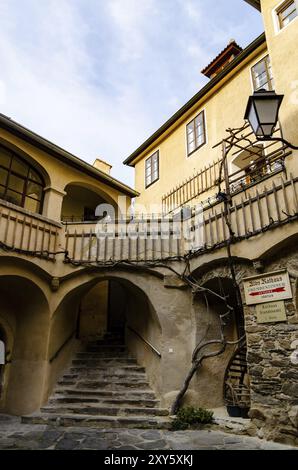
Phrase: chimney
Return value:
(102, 166)
(222, 60)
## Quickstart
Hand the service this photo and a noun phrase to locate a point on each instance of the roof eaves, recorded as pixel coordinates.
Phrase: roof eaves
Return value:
(254, 3)
(63, 155)
(232, 46)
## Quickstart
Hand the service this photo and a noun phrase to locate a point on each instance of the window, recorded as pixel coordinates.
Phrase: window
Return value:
(196, 133)
(20, 184)
(262, 75)
(286, 13)
(152, 169)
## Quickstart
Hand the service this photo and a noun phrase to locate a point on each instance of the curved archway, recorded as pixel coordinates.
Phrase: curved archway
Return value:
(101, 306)
(81, 201)
(27, 315)
(212, 321)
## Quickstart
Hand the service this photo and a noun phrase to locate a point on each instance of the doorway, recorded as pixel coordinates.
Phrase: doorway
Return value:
(234, 371)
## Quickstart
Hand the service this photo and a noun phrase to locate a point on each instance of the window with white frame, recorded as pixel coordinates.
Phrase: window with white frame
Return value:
(196, 133)
(286, 13)
(152, 169)
(262, 75)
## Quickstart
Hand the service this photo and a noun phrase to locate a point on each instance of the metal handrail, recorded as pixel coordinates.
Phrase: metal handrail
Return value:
(145, 341)
(62, 347)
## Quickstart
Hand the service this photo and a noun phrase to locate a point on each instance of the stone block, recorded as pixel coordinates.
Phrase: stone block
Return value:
(290, 389)
(271, 372)
(293, 416)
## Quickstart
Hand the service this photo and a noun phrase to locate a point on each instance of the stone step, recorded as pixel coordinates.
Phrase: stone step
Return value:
(95, 354)
(105, 384)
(89, 409)
(102, 355)
(136, 422)
(106, 361)
(113, 369)
(146, 394)
(119, 402)
(90, 374)
(105, 344)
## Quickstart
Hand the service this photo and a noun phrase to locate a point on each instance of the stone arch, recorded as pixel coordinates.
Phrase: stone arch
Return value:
(25, 319)
(207, 385)
(82, 199)
(141, 319)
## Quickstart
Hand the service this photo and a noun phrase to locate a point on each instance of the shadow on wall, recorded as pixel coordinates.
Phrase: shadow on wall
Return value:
(109, 305)
(24, 317)
(208, 382)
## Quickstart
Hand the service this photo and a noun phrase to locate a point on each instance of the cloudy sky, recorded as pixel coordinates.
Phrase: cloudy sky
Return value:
(98, 77)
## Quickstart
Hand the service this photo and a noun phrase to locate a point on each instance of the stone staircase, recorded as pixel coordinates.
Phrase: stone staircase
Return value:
(104, 388)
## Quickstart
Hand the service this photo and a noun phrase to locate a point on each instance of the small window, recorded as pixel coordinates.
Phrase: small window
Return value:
(152, 169)
(196, 133)
(262, 75)
(286, 13)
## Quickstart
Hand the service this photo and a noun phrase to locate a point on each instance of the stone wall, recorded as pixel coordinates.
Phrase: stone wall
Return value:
(274, 378)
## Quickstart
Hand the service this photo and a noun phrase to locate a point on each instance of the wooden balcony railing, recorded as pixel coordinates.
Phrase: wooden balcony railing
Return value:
(259, 162)
(134, 240)
(249, 216)
(29, 233)
(143, 240)
(199, 183)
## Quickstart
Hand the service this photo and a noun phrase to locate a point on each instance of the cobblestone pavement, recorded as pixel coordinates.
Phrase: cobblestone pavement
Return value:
(15, 435)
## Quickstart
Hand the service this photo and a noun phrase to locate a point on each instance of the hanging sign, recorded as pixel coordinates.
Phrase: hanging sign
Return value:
(268, 287)
(271, 312)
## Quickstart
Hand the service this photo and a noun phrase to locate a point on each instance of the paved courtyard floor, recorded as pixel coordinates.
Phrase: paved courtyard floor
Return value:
(15, 435)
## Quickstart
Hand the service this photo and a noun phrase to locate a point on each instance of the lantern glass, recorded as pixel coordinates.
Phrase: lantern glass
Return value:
(262, 112)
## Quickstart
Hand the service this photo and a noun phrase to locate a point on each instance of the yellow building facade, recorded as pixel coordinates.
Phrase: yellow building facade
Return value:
(77, 265)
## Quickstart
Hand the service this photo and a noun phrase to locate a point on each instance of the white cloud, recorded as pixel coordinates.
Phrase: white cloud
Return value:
(97, 77)
(193, 10)
(130, 18)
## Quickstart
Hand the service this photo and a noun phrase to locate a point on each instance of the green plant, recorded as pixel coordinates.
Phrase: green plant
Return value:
(189, 416)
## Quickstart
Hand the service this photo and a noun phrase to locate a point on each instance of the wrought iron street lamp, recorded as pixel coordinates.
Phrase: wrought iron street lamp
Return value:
(262, 113)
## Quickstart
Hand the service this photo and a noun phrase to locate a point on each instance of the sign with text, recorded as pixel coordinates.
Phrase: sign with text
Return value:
(269, 287)
(271, 312)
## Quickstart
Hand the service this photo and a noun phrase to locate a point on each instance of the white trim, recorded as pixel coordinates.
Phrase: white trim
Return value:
(147, 158)
(254, 64)
(277, 28)
(189, 120)
(255, 144)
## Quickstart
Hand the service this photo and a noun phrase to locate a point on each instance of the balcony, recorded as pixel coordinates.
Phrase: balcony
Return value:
(153, 239)
(28, 233)
(251, 163)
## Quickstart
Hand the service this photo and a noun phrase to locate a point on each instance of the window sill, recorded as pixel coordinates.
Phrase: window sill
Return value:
(194, 151)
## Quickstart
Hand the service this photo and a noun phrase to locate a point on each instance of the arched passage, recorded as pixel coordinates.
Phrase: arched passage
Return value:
(216, 376)
(24, 325)
(99, 307)
(81, 201)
